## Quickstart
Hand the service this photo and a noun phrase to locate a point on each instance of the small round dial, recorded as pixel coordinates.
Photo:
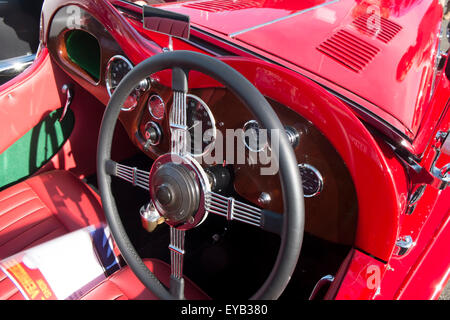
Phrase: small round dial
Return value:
(156, 106)
(201, 125)
(311, 179)
(117, 68)
(255, 137)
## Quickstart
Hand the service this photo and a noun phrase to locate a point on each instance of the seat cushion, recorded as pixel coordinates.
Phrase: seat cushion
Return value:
(124, 285)
(44, 207)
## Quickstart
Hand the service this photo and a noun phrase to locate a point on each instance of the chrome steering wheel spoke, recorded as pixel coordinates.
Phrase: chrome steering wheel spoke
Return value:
(178, 116)
(133, 175)
(176, 247)
(235, 210)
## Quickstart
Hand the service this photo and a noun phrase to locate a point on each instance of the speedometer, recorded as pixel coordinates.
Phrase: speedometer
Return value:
(201, 125)
(117, 68)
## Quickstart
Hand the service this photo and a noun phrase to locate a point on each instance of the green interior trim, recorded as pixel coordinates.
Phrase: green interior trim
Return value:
(35, 148)
(84, 50)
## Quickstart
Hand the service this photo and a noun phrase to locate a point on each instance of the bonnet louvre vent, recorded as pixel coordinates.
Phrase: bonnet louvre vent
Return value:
(222, 5)
(348, 50)
(368, 25)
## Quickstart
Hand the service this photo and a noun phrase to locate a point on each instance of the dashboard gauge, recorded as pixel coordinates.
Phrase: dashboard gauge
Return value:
(201, 125)
(156, 106)
(312, 180)
(255, 137)
(117, 68)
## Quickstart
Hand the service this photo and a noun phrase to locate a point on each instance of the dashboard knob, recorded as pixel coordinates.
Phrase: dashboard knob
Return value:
(293, 136)
(143, 85)
(264, 199)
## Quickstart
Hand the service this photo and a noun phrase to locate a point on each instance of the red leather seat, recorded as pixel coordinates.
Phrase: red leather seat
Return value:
(44, 207)
(124, 285)
(52, 204)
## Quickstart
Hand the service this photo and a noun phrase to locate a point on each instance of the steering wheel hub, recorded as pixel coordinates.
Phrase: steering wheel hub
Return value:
(177, 189)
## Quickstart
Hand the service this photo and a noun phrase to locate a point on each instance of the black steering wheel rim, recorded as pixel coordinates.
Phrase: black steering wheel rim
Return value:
(293, 218)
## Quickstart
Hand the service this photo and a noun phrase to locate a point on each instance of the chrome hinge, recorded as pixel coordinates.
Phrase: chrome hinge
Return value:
(414, 198)
(437, 177)
(404, 244)
(416, 172)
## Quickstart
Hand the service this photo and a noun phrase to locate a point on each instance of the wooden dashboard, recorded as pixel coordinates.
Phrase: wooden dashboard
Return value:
(331, 214)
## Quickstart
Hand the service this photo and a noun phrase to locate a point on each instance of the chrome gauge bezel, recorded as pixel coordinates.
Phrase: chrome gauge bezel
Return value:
(108, 75)
(244, 130)
(150, 109)
(213, 125)
(318, 176)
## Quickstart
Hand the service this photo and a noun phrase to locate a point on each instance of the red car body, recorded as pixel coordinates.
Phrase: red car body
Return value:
(382, 110)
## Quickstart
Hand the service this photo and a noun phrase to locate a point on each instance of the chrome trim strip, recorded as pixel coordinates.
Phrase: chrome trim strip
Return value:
(178, 126)
(232, 209)
(281, 19)
(133, 175)
(16, 65)
(176, 252)
(177, 122)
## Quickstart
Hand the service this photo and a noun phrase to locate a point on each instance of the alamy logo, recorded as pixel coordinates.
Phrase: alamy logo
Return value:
(73, 17)
(374, 20)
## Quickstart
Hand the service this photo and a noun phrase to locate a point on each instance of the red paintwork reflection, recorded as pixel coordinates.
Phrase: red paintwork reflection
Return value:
(395, 8)
(426, 262)
(417, 59)
(232, 20)
(395, 85)
(362, 278)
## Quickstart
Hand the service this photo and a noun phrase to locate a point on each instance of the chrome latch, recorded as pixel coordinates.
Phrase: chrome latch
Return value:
(442, 147)
(404, 244)
(67, 90)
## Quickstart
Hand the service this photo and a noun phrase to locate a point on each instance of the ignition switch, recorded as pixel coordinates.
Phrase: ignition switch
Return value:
(152, 135)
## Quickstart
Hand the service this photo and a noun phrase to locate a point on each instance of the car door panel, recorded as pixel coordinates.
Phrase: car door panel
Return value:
(27, 100)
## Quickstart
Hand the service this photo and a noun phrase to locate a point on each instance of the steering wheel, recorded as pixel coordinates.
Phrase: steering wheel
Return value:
(179, 187)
